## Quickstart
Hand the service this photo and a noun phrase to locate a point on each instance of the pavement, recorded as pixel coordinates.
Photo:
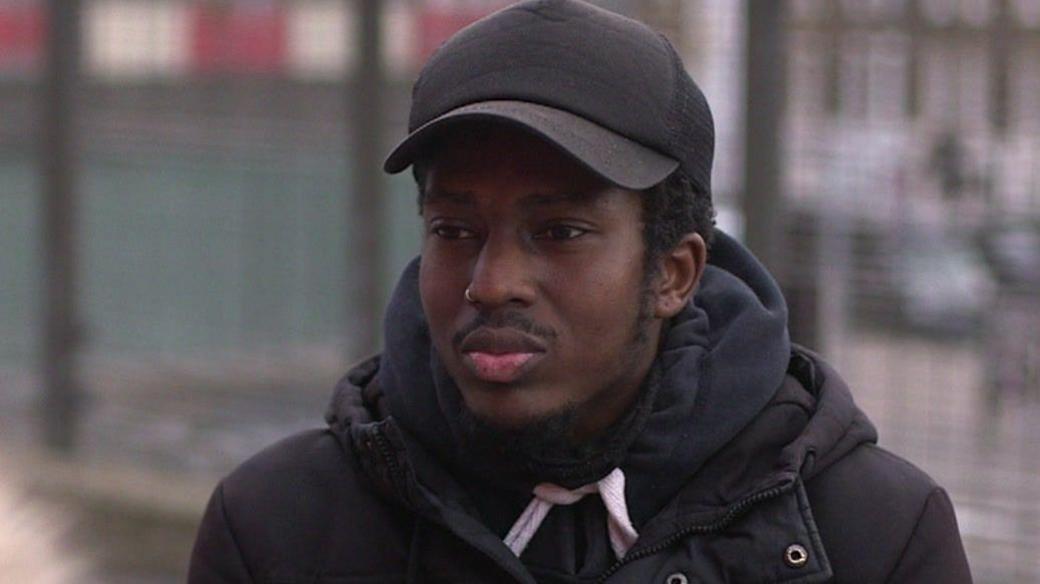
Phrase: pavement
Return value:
(933, 404)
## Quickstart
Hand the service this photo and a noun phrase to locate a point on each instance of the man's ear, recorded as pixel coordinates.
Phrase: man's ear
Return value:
(679, 273)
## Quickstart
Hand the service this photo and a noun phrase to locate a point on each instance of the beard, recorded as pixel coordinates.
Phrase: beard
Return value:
(548, 436)
(544, 448)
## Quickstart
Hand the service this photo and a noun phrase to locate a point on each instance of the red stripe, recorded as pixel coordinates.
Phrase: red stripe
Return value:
(22, 30)
(436, 25)
(238, 39)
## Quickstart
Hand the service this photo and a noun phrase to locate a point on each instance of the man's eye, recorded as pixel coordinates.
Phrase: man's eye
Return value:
(560, 233)
(452, 232)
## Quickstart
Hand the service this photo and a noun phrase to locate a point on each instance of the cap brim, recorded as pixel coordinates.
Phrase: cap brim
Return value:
(617, 159)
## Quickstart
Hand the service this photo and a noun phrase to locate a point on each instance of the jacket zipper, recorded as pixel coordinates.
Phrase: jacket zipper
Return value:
(386, 451)
(734, 511)
(732, 514)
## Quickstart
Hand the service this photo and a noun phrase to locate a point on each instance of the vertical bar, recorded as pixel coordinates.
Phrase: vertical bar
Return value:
(764, 213)
(368, 259)
(1001, 42)
(834, 24)
(766, 64)
(917, 29)
(62, 392)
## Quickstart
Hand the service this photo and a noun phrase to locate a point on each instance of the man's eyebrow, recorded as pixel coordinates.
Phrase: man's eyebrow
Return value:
(467, 198)
(540, 199)
(461, 198)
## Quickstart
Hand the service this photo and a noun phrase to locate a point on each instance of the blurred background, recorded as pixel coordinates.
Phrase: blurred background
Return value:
(196, 240)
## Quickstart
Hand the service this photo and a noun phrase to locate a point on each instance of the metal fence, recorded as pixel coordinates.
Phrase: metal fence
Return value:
(219, 277)
(912, 163)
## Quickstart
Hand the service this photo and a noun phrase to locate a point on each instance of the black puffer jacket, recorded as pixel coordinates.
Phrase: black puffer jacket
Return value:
(342, 505)
(743, 473)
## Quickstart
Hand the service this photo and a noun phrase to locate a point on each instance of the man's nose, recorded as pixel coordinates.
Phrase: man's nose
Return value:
(502, 274)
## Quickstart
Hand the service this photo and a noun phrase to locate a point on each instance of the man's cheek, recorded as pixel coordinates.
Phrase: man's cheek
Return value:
(611, 308)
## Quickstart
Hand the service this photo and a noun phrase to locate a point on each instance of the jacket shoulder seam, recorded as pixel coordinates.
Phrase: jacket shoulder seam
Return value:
(893, 457)
(913, 533)
(231, 532)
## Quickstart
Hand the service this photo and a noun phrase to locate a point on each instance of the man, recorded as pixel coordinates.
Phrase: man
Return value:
(582, 381)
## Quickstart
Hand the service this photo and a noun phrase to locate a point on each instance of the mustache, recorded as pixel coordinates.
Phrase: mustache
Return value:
(500, 320)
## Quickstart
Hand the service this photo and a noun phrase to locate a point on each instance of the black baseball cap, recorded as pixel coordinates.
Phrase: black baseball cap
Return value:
(606, 89)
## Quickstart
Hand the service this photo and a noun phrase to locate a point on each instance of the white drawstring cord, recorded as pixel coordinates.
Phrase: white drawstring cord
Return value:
(611, 489)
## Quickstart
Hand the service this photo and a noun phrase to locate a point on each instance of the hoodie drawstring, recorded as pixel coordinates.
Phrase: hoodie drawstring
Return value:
(611, 489)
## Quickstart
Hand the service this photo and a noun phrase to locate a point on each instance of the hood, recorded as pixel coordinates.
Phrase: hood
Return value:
(809, 424)
(722, 360)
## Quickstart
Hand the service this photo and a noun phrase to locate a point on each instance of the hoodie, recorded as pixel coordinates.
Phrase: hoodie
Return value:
(753, 465)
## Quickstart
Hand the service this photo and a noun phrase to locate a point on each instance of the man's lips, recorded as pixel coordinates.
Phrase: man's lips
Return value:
(500, 355)
(503, 368)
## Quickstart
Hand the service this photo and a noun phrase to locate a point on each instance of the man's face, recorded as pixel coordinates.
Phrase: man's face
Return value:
(553, 260)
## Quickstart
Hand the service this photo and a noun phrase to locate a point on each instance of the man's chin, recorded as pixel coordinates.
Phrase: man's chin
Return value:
(508, 407)
(506, 419)
(530, 433)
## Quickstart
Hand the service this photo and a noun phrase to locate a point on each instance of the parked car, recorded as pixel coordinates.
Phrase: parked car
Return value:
(1012, 341)
(940, 284)
(1012, 252)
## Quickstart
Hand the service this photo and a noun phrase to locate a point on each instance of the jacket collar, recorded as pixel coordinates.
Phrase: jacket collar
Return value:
(809, 423)
(401, 470)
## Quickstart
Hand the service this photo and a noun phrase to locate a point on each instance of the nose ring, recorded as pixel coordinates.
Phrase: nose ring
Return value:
(469, 297)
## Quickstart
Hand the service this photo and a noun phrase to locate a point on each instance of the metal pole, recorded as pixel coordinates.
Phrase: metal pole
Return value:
(765, 216)
(61, 332)
(916, 28)
(368, 255)
(763, 204)
(1001, 43)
